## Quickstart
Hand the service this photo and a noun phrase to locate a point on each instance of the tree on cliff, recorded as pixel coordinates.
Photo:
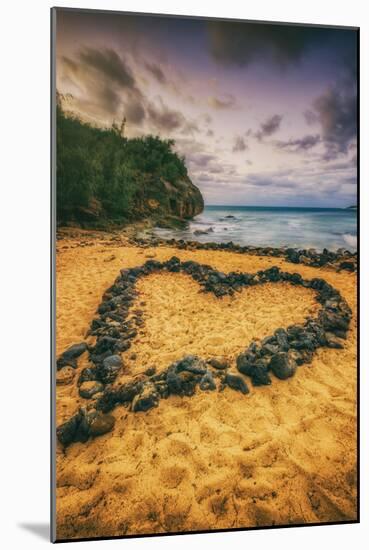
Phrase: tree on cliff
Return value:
(100, 173)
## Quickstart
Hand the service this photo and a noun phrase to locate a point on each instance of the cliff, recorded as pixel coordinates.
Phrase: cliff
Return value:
(104, 178)
(161, 199)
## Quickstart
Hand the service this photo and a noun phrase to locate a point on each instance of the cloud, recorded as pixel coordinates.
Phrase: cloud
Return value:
(106, 88)
(104, 84)
(201, 160)
(228, 101)
(269, 127)
(233, 43)
(299, 145)
(239, 145)
(134, 110)
(310, 117)
(336, 112)
(110, 64)
(242, 43)
(275, 180)
(164, 118)
(156, 71)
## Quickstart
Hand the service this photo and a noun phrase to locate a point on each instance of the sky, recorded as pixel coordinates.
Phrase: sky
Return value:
(264, 114)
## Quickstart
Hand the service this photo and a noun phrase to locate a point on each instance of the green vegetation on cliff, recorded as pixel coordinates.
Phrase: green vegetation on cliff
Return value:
(103, 177)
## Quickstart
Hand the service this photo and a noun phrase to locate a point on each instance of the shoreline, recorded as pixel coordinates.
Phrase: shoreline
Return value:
(131, 235)
(223, 459)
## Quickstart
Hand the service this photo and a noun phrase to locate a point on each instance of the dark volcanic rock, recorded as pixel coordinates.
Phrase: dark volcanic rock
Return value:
(332, 321)
(146, 399)
(84, 424)
(69, 357)
(282, 339)
(207, 382)
(190, 363)
(109, 369)
(279, 353)
(245, 362)
(87, 374)
(219, 364)
(259, 375)
(283, 365)
(101, 424)
(67, 431)
(75, 351)
(121, 395)
(349, 266)
(236, 382)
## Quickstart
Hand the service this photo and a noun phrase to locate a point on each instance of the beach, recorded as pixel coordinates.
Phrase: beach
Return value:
(283, 454)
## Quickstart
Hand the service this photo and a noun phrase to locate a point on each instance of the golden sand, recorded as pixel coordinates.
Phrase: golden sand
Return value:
(284, 454)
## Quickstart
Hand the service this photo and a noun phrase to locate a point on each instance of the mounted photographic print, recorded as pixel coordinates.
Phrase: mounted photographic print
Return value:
(204, 209)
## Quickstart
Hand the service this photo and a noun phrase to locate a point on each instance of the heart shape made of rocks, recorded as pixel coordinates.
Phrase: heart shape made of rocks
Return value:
(114, 329)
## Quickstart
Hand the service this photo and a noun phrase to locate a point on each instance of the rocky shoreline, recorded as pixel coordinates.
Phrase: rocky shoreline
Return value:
(279, 354)
(339, 260)
(342, 259)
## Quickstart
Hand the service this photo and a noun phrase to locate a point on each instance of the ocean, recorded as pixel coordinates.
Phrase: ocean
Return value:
(318, 228)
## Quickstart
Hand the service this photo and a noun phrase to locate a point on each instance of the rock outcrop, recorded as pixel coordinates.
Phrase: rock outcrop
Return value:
(159, 199)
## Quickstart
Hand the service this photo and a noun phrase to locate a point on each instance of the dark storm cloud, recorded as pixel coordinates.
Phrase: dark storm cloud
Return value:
(237, 43)
(336, 111)
(164, 118)
(134, 111)
(106, 81)
(269, 127)
(156, 71)
(110, 64)
(239, 145)
(299, 145)
(109, 86)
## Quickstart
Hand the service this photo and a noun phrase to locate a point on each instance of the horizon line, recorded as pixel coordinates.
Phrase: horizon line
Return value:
(284, 206)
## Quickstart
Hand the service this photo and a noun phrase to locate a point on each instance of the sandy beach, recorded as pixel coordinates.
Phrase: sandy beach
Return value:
(283, 454)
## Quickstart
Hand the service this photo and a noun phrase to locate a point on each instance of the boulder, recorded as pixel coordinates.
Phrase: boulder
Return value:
(101, 424)
(259, 375)
(69, 357)
(219, 364)
(146, 399)
(207, 382)
(75, 351)
(283, 365)
(236, 382)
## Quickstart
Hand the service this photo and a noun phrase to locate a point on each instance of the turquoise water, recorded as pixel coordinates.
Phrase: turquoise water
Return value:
(318, 228)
